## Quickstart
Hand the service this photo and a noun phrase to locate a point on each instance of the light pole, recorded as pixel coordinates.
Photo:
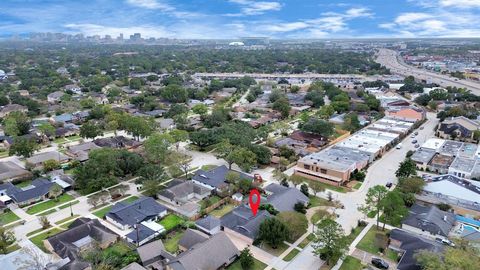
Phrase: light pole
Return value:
(71, 211)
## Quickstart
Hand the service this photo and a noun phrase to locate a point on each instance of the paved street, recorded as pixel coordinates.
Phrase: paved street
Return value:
(393, 61)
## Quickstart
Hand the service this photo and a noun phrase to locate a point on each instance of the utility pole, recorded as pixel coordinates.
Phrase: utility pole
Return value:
(71, 211)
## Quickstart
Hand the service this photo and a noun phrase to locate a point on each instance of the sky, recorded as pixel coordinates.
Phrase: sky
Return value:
(232, 19)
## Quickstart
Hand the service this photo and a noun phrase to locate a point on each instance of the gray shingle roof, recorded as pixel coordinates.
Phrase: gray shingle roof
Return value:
(242, 221)
(208, 222)
(10, 170)
(215, 253)
(140, 210)
(192, 237)
(143, 233)
(284, 198)
(216, 176)
(431, 219)
(411, 244)
(39, 187)
(151, 251)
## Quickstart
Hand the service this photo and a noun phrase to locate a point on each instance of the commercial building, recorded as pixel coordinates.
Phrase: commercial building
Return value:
(458, 128)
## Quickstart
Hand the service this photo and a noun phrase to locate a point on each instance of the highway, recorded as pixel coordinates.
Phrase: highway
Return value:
(391, 60)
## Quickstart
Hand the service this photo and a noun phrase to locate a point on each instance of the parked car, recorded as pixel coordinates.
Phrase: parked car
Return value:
(399, 146)
(413, 136)
(414, 141)
(417, 145)
(421, 128)
(379, 263)
(445, 241)
(416, 133)
(389, 185)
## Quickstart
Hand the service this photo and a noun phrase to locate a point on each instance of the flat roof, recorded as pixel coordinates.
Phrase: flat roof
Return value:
(336, 158)
(451, 148)
(440, 160)
(463, 164)
(433, 143)
(423, 155)
(468, 150)
(452, 189)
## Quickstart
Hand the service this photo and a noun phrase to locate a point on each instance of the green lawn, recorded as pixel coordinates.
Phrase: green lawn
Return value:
(66, 219)
(60, 140)
(102, 212)
(36, 231)
(49, 204)
(3, 154)
(68, 204)
(317, 201)
(8, 217)
(119, 247)
(213, 200)
(170, 221)
(12, 248)
(38, 240)
(307, 240)
(257, 265)
(130, 199)
(369, 243)
(46, 213)
(171, 243)
(351, 263)
(320, 214)
(357, 185)
(353, 235)
(274, 251)
(222, 210)
(326, 186)
(392, 255)
(291, 255)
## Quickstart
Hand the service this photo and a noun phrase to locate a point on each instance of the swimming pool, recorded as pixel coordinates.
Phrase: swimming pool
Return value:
(469, 221)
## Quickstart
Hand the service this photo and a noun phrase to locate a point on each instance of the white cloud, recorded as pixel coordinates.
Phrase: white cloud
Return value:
(255, 7)
(460, 3)
(151, 4)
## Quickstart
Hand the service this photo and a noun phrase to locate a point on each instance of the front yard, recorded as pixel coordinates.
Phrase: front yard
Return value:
(49, 204)
(317, 201)
(38, 240)
(376, 243)
(274, 251)
(291, 255)
(351, 263)
(8, 217)
(326, 186)
(257, 265)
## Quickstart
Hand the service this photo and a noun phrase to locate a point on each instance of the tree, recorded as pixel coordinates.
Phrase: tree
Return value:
(203, 138)
(178, 136)
(297, 224)
(283, 106)
(47, 129)
(216, 118)
(152, 172)
(263, 154)
(276, 95)
(175, 93)
(246, 259)
(244, 158)
(304, 189)
(138, 126)
(300, 207)
(326, 111)
(406, 168)
(393, 208)
(316, 187)
(151, 188)
(90, 130)
(6, 239)
(296, 180)
(16, 124)
(411, 185)
(373, 201)
(24, 147)
(463, 257)
(423, 99)
(51, 165)
(185, 165)
(200, 108)
(351, 122)
(55, 191)
(232, 177)
(273, 232)
(157, 146)
(330, 242)
(318, 126)
(316, 97)
(44, 222)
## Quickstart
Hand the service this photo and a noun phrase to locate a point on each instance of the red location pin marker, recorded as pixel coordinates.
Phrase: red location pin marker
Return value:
(254, 204)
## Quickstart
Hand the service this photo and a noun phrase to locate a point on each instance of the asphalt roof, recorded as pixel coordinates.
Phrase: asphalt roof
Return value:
(431, 219)
(215, 177)
(208, 222)
(143, 233)
(135, 212)
(192, 237)
(241, 220)
(38, 187)
(10, 170)
(411, 244)
(284, 198)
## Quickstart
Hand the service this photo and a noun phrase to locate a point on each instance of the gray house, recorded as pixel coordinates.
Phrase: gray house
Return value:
(214, 179)
(126, 215)
(209, 224)
(429, 220)
(284, 198)
(38, 190)
(242, 223)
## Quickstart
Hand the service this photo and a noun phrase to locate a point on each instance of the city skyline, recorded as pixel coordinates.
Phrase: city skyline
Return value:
(230, 19)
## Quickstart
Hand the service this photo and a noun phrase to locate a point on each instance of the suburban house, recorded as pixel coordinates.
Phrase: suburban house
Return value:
(144, 232)
(38, 190)
(117, 142)
(409, 113)
(55, 96)
(429, 221)
(10, 171)
(408, 244)
(80, 151)
(185, 195)
(199, 256)
(214, 179)
(191, 238)
(81, 235)
(242, 223)
(7, 109)
(153, 255)
(37, 160)
(284, 198)
(75, 89)
(126, 215)
(458, 128)
(134, 266)
(209, 224)
(63, 118)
